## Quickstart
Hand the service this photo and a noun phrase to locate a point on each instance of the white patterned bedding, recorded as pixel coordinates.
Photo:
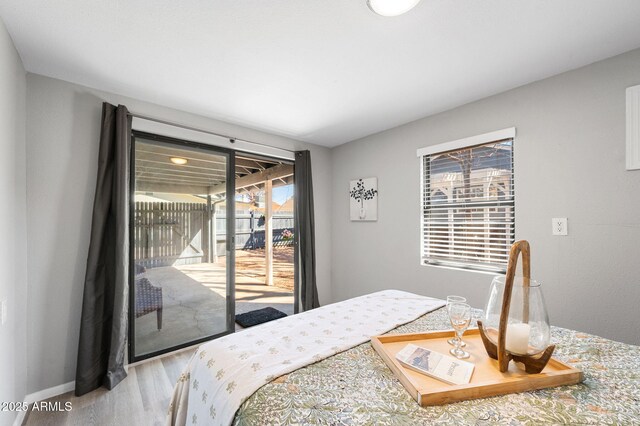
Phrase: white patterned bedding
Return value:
(225, 372)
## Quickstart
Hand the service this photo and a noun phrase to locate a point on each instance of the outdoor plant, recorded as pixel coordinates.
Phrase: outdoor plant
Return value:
(286, 235)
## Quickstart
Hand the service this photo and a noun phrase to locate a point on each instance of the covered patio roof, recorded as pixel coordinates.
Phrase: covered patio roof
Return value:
(182, 169)
(204, 173)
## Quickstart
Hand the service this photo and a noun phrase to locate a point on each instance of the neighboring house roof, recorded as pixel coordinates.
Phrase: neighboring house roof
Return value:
(287, 206)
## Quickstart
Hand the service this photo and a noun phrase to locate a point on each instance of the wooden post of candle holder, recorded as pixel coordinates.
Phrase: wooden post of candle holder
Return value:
(533, 364)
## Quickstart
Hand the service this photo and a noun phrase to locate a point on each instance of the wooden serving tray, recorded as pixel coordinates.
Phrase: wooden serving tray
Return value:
(486, 380)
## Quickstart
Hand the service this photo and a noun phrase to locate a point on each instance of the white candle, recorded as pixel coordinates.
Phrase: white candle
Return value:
(517, 341)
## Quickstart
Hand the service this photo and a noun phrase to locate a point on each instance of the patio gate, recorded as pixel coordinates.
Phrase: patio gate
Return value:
(167, 234)
(170, 233)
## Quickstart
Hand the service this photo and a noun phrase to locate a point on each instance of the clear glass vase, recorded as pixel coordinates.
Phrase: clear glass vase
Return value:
(528, 330)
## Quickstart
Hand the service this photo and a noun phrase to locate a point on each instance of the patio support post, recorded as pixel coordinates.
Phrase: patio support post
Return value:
(208, 239)
(268, 232)
(214, 233)
(206, 236)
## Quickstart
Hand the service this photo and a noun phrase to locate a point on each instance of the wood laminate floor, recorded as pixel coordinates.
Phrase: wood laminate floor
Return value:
(141, 399)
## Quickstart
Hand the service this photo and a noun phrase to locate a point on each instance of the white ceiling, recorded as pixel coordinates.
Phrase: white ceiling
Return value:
(323, 71)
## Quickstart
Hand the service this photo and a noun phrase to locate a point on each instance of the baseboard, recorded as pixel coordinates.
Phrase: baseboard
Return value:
(19, 418)
(50, 392)
(68, 387)
(42, 395)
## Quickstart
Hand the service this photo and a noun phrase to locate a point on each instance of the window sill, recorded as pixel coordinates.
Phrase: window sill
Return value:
(458, 268)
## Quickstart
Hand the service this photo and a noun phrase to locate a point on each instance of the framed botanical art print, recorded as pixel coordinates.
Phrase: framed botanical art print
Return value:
(363, 199)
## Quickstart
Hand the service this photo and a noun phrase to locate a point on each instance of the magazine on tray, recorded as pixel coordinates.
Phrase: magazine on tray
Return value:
(434, 364)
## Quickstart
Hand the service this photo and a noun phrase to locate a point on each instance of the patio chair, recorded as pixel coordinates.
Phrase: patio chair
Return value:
(148, 297)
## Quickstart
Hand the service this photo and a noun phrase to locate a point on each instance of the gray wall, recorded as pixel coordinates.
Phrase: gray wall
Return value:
(13, 248)
(569, 162)
(62, 152)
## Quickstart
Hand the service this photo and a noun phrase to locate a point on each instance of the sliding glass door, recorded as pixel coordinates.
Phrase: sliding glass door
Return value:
(182, 244)
(265, 236)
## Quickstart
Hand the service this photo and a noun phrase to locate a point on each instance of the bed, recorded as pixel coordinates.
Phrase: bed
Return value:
(355, 387)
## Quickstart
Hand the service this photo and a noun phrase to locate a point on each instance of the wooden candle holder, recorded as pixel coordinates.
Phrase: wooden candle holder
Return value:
(533, 363)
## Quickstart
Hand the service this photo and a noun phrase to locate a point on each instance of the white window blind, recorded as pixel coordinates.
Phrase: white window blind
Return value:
(468, 205)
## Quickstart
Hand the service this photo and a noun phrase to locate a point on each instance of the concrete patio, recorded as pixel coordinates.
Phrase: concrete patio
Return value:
(194, 298)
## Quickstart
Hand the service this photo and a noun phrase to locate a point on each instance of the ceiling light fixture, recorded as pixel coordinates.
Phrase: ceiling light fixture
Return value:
(391, 7)
(179, 161)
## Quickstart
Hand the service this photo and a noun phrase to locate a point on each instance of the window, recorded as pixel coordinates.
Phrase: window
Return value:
(468, 202)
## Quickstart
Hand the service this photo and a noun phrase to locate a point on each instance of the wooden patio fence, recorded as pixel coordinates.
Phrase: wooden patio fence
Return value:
(182, 233)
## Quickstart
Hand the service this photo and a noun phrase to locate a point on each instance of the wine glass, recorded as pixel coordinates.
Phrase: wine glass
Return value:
(460, 317)
(450, 300)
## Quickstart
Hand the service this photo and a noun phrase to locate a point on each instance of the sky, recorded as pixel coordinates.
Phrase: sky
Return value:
(282, 193)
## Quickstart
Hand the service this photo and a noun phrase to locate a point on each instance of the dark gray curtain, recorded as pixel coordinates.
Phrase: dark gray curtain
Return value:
(305, 227)
(103, 327)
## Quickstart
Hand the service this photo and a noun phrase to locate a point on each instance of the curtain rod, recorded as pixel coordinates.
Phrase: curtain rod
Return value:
(195, 129)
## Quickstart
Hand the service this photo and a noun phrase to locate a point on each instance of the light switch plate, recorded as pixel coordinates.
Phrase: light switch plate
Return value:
(3, 311)
(559, 226)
